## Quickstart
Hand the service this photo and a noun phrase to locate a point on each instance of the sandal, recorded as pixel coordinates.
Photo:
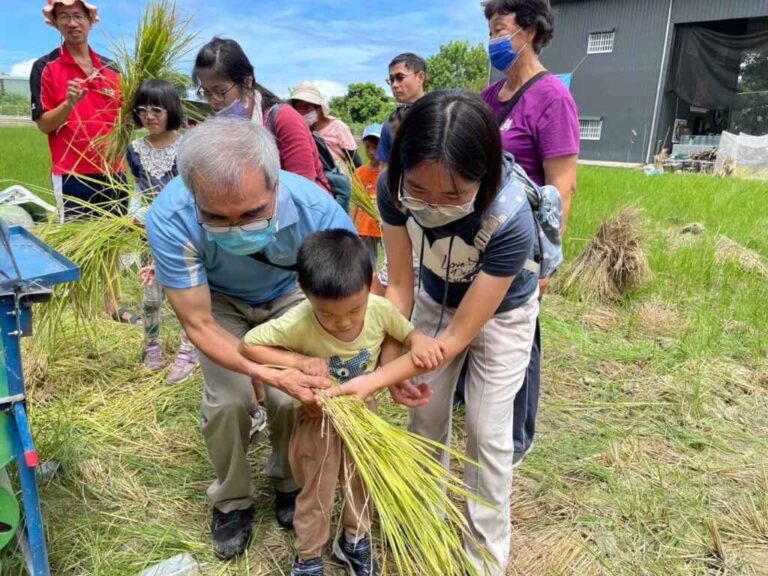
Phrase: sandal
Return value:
(125, 316)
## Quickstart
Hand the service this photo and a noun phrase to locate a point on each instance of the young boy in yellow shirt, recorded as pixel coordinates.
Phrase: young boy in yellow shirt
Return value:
(337, 331)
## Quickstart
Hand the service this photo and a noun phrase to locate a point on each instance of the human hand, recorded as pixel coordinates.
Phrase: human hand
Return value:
(544, 286)
(75, 92)
(314, 366)
(360, 387)
(147, 275)
(410, 396)
(426, 352)
(302, 387)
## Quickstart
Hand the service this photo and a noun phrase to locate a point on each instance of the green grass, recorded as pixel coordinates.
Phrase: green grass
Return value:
(652, 439)
(24, 159)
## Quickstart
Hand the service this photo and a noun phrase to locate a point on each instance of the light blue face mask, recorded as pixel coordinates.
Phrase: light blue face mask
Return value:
(238, 109)
(502, 53)
(244, 243)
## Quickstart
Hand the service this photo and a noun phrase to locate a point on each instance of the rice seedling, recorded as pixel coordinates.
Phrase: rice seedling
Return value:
(361, 199)
(161, 39)
(422, 529)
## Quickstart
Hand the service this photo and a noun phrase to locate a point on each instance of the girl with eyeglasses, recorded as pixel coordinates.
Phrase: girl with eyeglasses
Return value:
(226, 79)
(152, 160)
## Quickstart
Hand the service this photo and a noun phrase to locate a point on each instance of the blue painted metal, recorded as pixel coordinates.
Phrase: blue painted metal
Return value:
(28, 268)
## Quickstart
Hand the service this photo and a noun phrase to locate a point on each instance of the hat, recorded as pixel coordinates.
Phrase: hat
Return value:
(93, 12)
(307, 92)
(372, 130)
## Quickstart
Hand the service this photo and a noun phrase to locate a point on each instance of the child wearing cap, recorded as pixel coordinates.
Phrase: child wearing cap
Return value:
(368, 174)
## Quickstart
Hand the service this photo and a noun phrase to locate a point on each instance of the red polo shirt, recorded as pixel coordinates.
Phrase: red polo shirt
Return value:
(74, 146)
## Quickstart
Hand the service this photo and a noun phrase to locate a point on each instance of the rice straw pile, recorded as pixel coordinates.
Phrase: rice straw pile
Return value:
(614, 263)
(421, 527)
(161, 40)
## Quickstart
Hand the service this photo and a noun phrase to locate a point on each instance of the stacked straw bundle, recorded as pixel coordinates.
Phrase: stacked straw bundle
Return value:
(614, 263)
(421, 527)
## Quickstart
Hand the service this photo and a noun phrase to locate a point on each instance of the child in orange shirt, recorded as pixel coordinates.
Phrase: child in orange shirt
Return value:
(368, 229)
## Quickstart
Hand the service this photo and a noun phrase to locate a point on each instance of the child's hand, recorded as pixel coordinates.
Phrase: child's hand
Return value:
(426, 352)
(147, 275)
(314, 366)
(361, 387)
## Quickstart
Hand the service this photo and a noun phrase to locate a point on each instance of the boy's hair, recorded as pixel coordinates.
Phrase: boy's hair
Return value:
(413, 62)
(396, 118)
(334, 264)
(159, 93)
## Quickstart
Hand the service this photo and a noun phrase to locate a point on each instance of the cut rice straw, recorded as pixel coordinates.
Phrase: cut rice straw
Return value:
(360, 197)
(422, 529)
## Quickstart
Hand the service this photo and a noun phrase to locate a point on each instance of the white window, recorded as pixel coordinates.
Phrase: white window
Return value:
(590, 128)
(600, 43)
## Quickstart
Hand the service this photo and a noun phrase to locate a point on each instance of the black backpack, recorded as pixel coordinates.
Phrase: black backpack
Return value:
(341, 185)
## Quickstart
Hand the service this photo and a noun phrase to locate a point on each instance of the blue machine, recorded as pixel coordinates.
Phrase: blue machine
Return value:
(28, 270)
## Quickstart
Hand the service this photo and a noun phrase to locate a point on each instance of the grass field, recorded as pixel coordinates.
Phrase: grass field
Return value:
(652, 451)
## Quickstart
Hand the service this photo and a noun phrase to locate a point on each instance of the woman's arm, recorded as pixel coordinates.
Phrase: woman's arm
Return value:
(271, 356)
(399, 250)
(561, 173)
(477, 307)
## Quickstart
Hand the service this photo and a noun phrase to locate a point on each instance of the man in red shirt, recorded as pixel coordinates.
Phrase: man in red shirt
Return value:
(76, 102)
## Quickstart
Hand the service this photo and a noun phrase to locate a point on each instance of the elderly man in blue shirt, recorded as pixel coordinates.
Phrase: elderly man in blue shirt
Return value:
(224, 236)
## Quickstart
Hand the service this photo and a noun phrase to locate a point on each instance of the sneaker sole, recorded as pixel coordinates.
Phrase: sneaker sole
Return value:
(187, 377)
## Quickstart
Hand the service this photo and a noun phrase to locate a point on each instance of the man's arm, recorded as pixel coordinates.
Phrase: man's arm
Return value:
(193, 308)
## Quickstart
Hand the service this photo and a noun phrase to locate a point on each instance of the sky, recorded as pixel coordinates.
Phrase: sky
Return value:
(329, 42)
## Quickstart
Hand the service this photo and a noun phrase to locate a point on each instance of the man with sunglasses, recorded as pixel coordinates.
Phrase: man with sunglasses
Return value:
(407, 77)
(225, 236)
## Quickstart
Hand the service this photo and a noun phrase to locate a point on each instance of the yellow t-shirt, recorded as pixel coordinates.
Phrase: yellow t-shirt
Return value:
(298, 330)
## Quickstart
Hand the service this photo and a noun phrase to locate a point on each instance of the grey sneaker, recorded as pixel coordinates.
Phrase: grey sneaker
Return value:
(153, 356)
(258, 421)
(183, 366)
(518, 458)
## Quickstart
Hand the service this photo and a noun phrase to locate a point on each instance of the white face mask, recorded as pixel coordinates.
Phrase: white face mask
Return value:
(435, 216)
(311, 118)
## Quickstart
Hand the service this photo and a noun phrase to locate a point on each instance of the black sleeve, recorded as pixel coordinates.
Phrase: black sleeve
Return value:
(390, 213)
(35, 88)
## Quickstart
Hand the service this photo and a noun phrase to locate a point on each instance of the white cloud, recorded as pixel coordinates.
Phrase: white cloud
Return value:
(329, 88)
(22, 68)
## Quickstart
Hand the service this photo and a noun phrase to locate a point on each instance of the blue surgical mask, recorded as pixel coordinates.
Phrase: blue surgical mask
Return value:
(238, 108)
(244, 243)
(502, 53)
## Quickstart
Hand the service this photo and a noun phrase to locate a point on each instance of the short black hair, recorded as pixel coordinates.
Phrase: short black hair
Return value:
(159, 93)
(528, 14)
(413, 62)
(334, 264)
(457, 129)
(226, 58)
(396, 118)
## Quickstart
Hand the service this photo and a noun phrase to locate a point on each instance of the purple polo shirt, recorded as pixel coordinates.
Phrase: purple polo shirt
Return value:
(543, 124)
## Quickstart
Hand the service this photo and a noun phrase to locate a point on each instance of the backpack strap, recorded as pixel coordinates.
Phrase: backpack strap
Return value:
(504, 112)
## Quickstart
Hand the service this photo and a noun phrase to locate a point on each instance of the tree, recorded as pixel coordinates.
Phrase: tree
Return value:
(458, 64)
(364, 103)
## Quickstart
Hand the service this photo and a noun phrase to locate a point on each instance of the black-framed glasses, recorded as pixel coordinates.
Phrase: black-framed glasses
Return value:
(251, 226)
(214, 95)
(397, 78)
(77, 17)
(144, 111)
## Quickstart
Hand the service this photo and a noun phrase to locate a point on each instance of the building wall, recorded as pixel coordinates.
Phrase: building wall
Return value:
(621, 87)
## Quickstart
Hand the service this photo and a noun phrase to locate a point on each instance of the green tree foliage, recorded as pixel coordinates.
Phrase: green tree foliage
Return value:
(364, 103)
(458, 64)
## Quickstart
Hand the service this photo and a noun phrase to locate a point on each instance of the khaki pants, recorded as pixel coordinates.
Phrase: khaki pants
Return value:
(497, 362)
(225, 412)
(318, 460)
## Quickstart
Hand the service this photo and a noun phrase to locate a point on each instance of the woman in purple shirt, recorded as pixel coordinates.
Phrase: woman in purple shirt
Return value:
(539, 125)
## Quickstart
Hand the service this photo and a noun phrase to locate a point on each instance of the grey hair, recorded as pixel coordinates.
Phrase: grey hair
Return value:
(213, 156)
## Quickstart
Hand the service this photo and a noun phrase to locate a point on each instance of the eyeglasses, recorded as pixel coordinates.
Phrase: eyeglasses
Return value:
(411, 203)
(253, 225)
(77, 17)
(144, 111)
(214, 95)
(397, 78)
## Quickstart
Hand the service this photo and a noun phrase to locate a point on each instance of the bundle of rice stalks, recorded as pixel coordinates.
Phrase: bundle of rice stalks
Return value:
(422, 529)
(95, 245)
(162, 38)
(727, 250)
(613, 264)
(361, 199)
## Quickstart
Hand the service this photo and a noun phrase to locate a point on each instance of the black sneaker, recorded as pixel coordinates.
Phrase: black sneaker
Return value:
(231, 532)
(358, 557)
(285, 506)
(518, 457)
(311, 567)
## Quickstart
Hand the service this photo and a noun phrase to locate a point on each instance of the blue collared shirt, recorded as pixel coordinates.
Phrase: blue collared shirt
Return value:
(185, 258)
